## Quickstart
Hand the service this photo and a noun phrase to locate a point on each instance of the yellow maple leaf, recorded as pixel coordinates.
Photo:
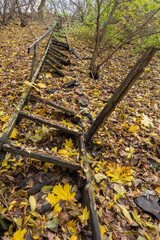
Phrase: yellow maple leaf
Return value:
(14, 133)
(133, 128)
(118, 173)
(103, 230)
(60, 193)
(19, 235)
(85, 216)
(4, 118)
(68, 143)
(71, 225)
(69, 150)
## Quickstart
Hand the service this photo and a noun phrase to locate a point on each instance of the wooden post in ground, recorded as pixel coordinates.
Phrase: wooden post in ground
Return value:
(125, 86)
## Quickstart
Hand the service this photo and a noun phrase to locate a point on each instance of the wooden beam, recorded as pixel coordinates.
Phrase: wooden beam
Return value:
(58, 52)
(54, 62)
(125, 86)
(42, 121)
(41, 157)
(41, 38)
(47, 102)
(88, 195)
(55, 69)
(63, 61)
(60, 45)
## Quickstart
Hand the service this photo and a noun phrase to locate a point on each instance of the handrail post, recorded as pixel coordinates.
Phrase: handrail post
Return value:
(33, 61)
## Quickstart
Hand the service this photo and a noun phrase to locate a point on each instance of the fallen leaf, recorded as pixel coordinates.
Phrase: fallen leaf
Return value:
(19, 235)
(125, 213)
(103, 230)
(133, 128)
(52, 224)
(14, 133)
(32, 202)
(73, 238)
(85, 216)
(99, 177)
(41, 85)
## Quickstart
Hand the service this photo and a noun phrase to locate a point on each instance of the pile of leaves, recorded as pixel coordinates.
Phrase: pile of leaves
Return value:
(124, 155)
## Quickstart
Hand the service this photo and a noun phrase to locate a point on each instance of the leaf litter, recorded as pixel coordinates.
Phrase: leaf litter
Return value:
(124, 156)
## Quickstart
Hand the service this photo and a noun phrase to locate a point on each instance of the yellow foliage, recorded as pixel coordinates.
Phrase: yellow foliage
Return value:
(118, 173)
(14, 133)
(69, 150)
(133, 128)
(4, 118)
(60, 193)
(19, 235)
(73, 238)
(103, 230)
(85, 216)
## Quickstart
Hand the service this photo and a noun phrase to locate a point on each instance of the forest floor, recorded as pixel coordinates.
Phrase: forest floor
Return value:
(124, 155)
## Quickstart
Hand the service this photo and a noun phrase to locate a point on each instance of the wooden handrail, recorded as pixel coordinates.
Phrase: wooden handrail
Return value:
(32, 46)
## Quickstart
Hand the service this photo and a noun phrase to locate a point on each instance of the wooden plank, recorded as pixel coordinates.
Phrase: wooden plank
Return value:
(88, 195)
(58, 52)
(54, 62)
(41, 38)
(55, 69)
(60, 45)
(41, 157)
(33, 61)
(63, 61)
(125, 86)
(47, 102)
(54, 41)
(42, 121)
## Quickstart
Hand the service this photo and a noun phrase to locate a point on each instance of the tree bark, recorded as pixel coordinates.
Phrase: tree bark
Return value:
(21, 15)
(4, 12)
(100, 32)
(41, 10)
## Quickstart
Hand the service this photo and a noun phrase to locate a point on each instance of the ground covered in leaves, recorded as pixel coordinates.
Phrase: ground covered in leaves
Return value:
(124, 155)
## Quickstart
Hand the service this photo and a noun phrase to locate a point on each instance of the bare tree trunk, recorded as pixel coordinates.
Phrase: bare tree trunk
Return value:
(99, 37)
(41, 10)
(21, 15)
(95, 68)
(4, 12)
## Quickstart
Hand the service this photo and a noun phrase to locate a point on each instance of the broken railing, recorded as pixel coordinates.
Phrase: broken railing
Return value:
(125, 86)
(50, 52)
(33, 76)
(52, 56)
(34, 46)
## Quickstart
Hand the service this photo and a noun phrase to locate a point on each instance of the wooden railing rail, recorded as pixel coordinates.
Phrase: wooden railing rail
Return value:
(32, 46)
(35, 46)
